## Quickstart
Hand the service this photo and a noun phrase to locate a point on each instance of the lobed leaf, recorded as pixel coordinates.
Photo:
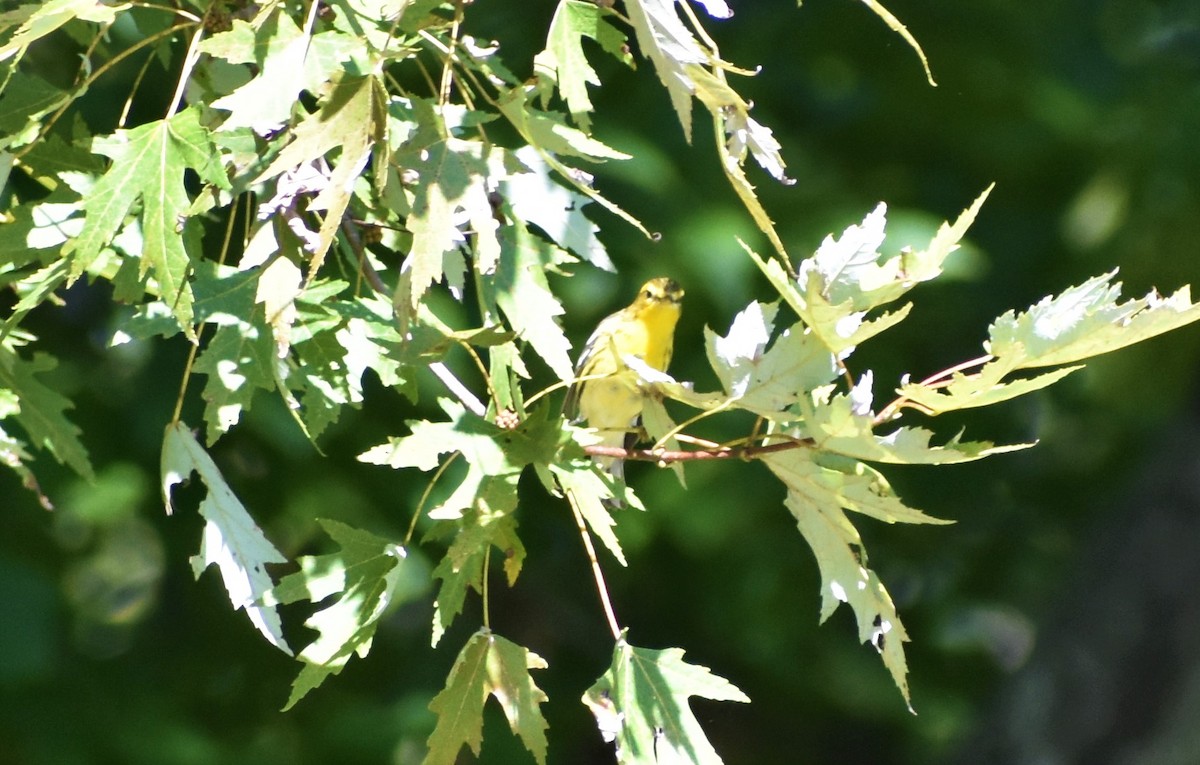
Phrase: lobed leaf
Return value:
(148, 165)
(488, 665)
(641, 705)
(368, 577)
(816, 497)
(231, 538)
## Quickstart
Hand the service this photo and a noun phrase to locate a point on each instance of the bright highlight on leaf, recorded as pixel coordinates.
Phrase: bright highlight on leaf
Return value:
(231, 539)
(641, 705)
(367, 575)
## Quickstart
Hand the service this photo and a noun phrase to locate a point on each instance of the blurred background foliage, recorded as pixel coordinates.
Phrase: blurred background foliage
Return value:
(1077, 555)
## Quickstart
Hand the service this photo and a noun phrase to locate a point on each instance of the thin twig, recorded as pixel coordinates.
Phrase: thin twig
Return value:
(666, 457)
(597, 573)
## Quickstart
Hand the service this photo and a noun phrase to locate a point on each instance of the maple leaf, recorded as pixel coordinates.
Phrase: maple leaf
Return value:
(149, 163)
(41, 412)
(488, 665)
(231, 538)
(641, 704)
(368, 576)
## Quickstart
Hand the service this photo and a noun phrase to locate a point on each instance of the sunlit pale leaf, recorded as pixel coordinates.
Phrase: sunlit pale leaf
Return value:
(816, 497)
(350, 118)
(836, 426)
(550, 132)
(40, 19)
(1086, 321)
(767, 382)
(287, 61)
(453, 177)
(984, 388)
(523, 294)
(366, 575)
(231, 538)
(663, 38)
(536, 198)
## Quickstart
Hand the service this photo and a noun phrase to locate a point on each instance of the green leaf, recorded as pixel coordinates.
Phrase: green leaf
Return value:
(658, 424)
(817, 495)
(523, 294)
(453, 174)
(549, 132)
(351, 118)
(845, 424)
(41, 410)
(1086, 321)
(488, 665)
(983, 388)
(40, 19)
(590, 490)
(288, 61)
(563, 61)
(662, 36)
(238, 361)
(149, 163)
(485, 519)
(641, 704)
(368, 575)
(231, 538)
(767, 382)
(481, 442)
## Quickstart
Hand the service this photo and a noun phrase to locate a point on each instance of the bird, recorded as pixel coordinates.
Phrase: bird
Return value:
(607, 394)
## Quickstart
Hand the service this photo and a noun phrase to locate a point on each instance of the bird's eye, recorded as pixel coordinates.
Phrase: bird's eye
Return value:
(648, 294)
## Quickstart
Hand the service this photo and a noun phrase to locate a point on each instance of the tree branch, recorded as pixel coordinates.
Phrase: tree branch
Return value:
(663, 456)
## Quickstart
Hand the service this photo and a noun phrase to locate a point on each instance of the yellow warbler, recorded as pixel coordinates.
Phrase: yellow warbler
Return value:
(608, 394)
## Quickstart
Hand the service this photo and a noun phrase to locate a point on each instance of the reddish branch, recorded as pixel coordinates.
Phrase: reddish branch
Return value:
(665, 456)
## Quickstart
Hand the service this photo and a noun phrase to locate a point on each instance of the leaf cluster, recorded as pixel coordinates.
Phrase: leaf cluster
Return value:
(361, 186)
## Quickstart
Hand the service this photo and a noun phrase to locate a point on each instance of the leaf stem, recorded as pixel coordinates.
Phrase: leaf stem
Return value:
(487, 567)
(412, 524)
(673, 432)
(937, 380)
(189, 61)
(597, 573)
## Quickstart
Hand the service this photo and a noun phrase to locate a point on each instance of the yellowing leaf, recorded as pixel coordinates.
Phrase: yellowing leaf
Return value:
(895, 25)
(488, 665)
